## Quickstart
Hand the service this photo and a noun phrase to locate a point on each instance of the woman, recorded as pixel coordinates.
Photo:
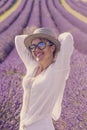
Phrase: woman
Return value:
(47, 62)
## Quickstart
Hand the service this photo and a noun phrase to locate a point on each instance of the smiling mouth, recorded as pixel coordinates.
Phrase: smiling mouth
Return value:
(39, 55)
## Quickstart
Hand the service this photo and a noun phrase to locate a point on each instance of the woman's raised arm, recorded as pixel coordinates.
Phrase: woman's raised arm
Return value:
(66, 50)
(23, 52)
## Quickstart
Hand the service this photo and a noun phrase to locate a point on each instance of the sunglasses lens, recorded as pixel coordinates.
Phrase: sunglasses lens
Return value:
(41, 45)
(32, 47)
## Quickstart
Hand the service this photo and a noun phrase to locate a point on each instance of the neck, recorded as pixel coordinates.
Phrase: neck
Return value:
(43, 65)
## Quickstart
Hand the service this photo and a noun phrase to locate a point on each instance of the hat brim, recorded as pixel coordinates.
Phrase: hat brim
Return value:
(28, 40)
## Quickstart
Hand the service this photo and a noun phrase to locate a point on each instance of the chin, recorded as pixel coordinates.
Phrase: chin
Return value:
(40, 59)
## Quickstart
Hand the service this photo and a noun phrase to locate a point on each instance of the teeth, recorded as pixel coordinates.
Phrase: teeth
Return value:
(38, 54)
(37, 59)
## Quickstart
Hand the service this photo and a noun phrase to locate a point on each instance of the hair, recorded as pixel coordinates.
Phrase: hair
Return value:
(54, 52)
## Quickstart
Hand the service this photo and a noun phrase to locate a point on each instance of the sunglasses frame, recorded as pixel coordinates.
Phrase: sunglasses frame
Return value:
(37, 46)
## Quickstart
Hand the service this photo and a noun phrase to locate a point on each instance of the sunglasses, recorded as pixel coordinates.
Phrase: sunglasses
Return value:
(40, 45)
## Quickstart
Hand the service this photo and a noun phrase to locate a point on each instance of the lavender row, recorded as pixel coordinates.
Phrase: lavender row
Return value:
(47, 19)
(80, 3)
(58, 18)
(37, 20)
(10, 100)
(61, 22)
(73, 20)
(7, 38)
(2, 3)
(14, 64)
(35, 15)
(77, 8)
(6, 6)
(10, 19)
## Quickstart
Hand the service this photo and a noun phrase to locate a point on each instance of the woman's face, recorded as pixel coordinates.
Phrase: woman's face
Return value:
(45, 54)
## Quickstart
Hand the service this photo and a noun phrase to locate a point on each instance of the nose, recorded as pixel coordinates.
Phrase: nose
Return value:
(37, 49)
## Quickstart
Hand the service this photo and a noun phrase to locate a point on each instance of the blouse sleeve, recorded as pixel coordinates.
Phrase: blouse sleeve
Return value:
(23, 52)
(66, 49)
(56, 112)
(62, 65)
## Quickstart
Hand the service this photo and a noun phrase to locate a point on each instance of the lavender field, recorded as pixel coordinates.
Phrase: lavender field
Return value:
(61, 16)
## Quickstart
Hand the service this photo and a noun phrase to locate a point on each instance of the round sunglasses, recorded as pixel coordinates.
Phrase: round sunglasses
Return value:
(40, 45)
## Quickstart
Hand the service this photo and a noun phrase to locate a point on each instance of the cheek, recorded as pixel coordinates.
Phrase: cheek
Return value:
(48, 52)
(33, 54)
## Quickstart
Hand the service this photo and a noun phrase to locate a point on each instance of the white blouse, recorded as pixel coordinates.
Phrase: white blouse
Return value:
(43, 94)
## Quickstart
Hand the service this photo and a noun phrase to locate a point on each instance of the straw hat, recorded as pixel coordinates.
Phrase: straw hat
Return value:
(45, 33)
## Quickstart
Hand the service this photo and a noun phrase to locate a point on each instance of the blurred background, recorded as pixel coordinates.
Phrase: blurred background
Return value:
(22, 17)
